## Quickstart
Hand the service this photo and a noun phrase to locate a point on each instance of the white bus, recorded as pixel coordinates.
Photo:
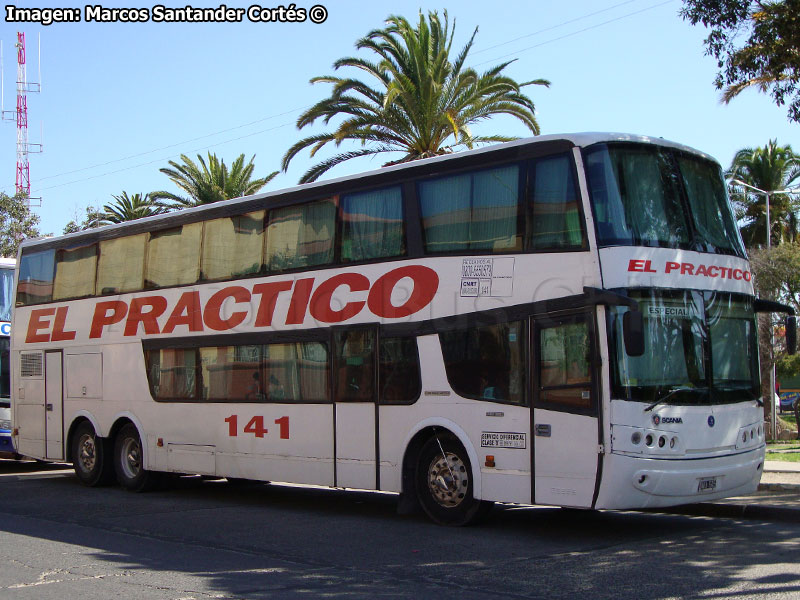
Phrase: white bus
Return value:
(567, 320)
(7, 266)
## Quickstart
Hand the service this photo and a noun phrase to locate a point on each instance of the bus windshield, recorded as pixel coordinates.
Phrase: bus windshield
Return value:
(700, 348)
(654, 196)
(6, 293)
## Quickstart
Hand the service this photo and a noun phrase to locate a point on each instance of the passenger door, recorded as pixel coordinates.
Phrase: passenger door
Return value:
(565, 410)
(355, 395)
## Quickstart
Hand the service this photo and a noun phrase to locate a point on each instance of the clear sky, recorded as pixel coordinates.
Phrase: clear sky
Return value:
(120, 100)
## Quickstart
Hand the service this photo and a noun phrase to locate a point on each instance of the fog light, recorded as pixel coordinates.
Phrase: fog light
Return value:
(662, 441)
(672, 442)
(744, 437)
(636, 438)
(648, 439)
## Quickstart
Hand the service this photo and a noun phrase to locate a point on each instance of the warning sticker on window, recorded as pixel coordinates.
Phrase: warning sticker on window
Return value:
(487, 277)
(506, 439)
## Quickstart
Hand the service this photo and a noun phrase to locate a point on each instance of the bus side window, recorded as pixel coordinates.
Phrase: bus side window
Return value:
(120, 266)
(372, 224)
(173, 256)
(233, 246)
(36, 272)
(564, 367)
(556, 218)
(398, 371)
(300, 236)
(486, 363)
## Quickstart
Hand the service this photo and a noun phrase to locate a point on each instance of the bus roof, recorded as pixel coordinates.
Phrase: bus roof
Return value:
(516, 150)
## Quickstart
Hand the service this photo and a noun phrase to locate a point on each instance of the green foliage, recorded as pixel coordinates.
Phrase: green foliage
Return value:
(17, 223)
(94, 218)
(130, 208)
(210, 182)
(777, 273)
(787, 366)
(423, 104)
(769, 58)
(772, 167)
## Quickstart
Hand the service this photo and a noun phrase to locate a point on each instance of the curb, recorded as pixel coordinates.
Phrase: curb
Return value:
(734, 511)
(779, 487)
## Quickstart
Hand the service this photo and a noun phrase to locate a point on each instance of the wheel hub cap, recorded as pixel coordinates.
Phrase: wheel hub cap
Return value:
(448, 479)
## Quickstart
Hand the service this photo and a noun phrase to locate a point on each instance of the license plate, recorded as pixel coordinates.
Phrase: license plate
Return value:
(707, 484)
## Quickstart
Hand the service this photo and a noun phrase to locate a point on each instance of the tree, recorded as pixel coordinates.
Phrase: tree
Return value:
(769, 59)
(423, 104)
(210, 182)
(130, 208)
(94, 218)
(776, 277)
(772, 167)
(17, 223)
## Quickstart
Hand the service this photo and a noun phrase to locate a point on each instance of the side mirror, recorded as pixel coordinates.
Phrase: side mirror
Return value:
(633, 332)
(791, 334)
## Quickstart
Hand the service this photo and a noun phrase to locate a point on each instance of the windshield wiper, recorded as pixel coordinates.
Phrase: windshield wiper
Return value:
(674, 391)
(743, 389)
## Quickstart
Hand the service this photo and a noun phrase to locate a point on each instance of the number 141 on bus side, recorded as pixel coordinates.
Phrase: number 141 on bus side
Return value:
(256, 427)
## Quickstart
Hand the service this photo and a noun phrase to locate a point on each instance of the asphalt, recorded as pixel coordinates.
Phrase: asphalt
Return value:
(777, 498)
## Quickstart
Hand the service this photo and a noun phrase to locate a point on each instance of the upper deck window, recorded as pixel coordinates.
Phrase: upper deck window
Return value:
(645, 195)
(233, 246)
(556, 217)
(75, 272)
(372, 224)
(301, 236)
(173, 256)
(36, 271)
(120, 267)
(472, 211)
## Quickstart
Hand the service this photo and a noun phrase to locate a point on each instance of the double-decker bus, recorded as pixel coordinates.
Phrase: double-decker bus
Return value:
(567, 320)
(6, 302)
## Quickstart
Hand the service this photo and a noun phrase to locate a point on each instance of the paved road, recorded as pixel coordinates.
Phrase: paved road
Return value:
(202, 539)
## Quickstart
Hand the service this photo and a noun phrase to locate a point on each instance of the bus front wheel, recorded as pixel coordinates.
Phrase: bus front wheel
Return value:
(91, 456)
(445, 483)
(129, 461)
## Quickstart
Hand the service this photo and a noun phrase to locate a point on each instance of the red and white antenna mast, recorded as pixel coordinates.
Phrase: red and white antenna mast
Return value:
(23, 171)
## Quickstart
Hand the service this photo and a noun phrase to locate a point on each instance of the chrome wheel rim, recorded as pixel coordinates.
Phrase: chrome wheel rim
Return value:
(131, 458)
(448, 480)
(87, 453)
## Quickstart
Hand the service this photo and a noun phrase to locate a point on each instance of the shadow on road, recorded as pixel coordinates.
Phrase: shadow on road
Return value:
(258, 540)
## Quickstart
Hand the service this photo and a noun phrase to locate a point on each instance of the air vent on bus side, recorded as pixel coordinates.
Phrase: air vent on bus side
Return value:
(30, 365)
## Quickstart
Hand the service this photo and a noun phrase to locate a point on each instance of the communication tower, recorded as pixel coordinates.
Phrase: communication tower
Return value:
(20, 116)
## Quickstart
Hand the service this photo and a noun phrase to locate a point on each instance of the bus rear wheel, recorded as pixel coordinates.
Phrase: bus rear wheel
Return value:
(445, 483)
(129, 461)
(91, 456)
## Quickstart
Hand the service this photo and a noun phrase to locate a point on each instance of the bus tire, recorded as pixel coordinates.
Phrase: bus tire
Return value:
(445, 483)
(91, 456)
(129, 461)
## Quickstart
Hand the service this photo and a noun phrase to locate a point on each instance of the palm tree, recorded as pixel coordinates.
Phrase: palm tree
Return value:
(769, 168)
(421, 99)
(210, 182)
(130, 208)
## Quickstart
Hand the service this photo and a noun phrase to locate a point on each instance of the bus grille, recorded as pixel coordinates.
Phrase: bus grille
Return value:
(30, 365)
